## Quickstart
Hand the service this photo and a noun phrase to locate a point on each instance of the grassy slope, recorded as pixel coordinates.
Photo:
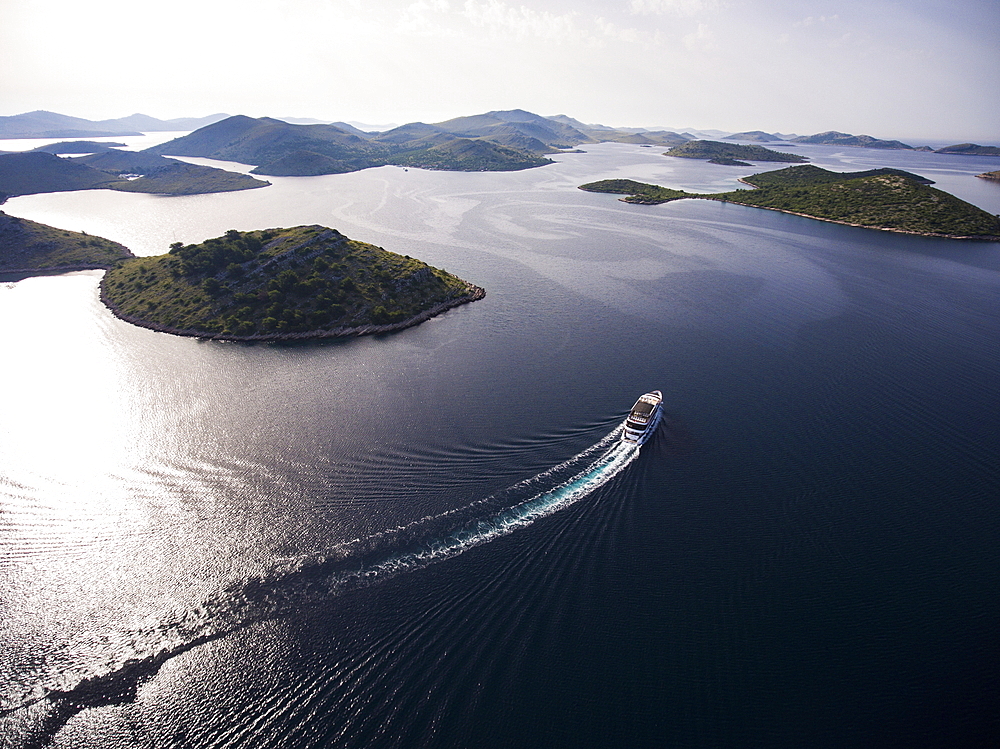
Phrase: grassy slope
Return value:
(878, 199)
(27, 245)
(307, 279)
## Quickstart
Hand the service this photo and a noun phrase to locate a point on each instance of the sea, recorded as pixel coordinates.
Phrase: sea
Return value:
(434, 538)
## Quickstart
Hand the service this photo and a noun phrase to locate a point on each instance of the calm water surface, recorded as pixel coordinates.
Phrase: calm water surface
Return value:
(430, 539)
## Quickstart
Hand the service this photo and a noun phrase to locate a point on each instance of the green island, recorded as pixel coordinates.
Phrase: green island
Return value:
(29, 247)
(638, 192)
(304, 282)
(731, 153)
(887, 199)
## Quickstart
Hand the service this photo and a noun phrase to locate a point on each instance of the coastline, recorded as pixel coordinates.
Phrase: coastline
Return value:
(475, 293)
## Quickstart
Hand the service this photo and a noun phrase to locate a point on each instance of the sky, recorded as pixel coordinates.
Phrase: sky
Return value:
(919, 69)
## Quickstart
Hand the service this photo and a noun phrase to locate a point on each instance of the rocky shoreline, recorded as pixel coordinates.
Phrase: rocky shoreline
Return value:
(475, 293)
(52, 270)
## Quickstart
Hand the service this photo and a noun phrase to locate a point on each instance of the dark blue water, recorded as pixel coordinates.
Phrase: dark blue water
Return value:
(431, 539)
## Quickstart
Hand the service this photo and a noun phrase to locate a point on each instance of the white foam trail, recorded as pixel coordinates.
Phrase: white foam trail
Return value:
(479, 532)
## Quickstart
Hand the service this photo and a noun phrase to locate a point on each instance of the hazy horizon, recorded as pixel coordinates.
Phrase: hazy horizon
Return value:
(928, 70)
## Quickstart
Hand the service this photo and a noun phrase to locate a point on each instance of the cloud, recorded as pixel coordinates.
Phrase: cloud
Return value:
(813, 20)
(423, 17)
(701, 40)
(671, 7)
(521, 21)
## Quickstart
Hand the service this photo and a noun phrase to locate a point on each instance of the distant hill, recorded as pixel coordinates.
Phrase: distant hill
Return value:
(756, 136)
(833, 138)
(549, 132)
(27, 246)
(42, 124)
(469, 155)
(970, 149)
(32, 172)
(298, 283)
(280, 148)
(888, 199)
(717, 152)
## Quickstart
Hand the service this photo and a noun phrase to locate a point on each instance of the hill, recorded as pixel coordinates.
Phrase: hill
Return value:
(833, 138)
(32, 172)
(27, 246)
(888, 199)
(728, 152)
(970, 149)
(468, 155)
(808, 174)
(280, 148)
(498, 125)
(298, 283)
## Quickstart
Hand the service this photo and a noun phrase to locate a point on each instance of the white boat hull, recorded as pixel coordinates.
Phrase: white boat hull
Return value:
(643, 419)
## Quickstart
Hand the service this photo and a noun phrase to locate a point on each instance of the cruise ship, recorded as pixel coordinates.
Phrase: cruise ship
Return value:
(643, 418)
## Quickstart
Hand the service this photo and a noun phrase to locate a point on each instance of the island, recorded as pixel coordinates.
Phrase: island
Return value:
(834, 138)
(990, 175)
(970, 149)
(29, 247)
(886, 199)
(731, 153)
(299, 283)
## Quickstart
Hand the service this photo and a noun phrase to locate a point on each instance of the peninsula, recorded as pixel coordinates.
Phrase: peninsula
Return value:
(887, 199)
(32, 172)
(301, 283)
(29, 247)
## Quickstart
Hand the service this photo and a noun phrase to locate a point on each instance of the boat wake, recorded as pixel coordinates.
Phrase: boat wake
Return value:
(300, 582)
